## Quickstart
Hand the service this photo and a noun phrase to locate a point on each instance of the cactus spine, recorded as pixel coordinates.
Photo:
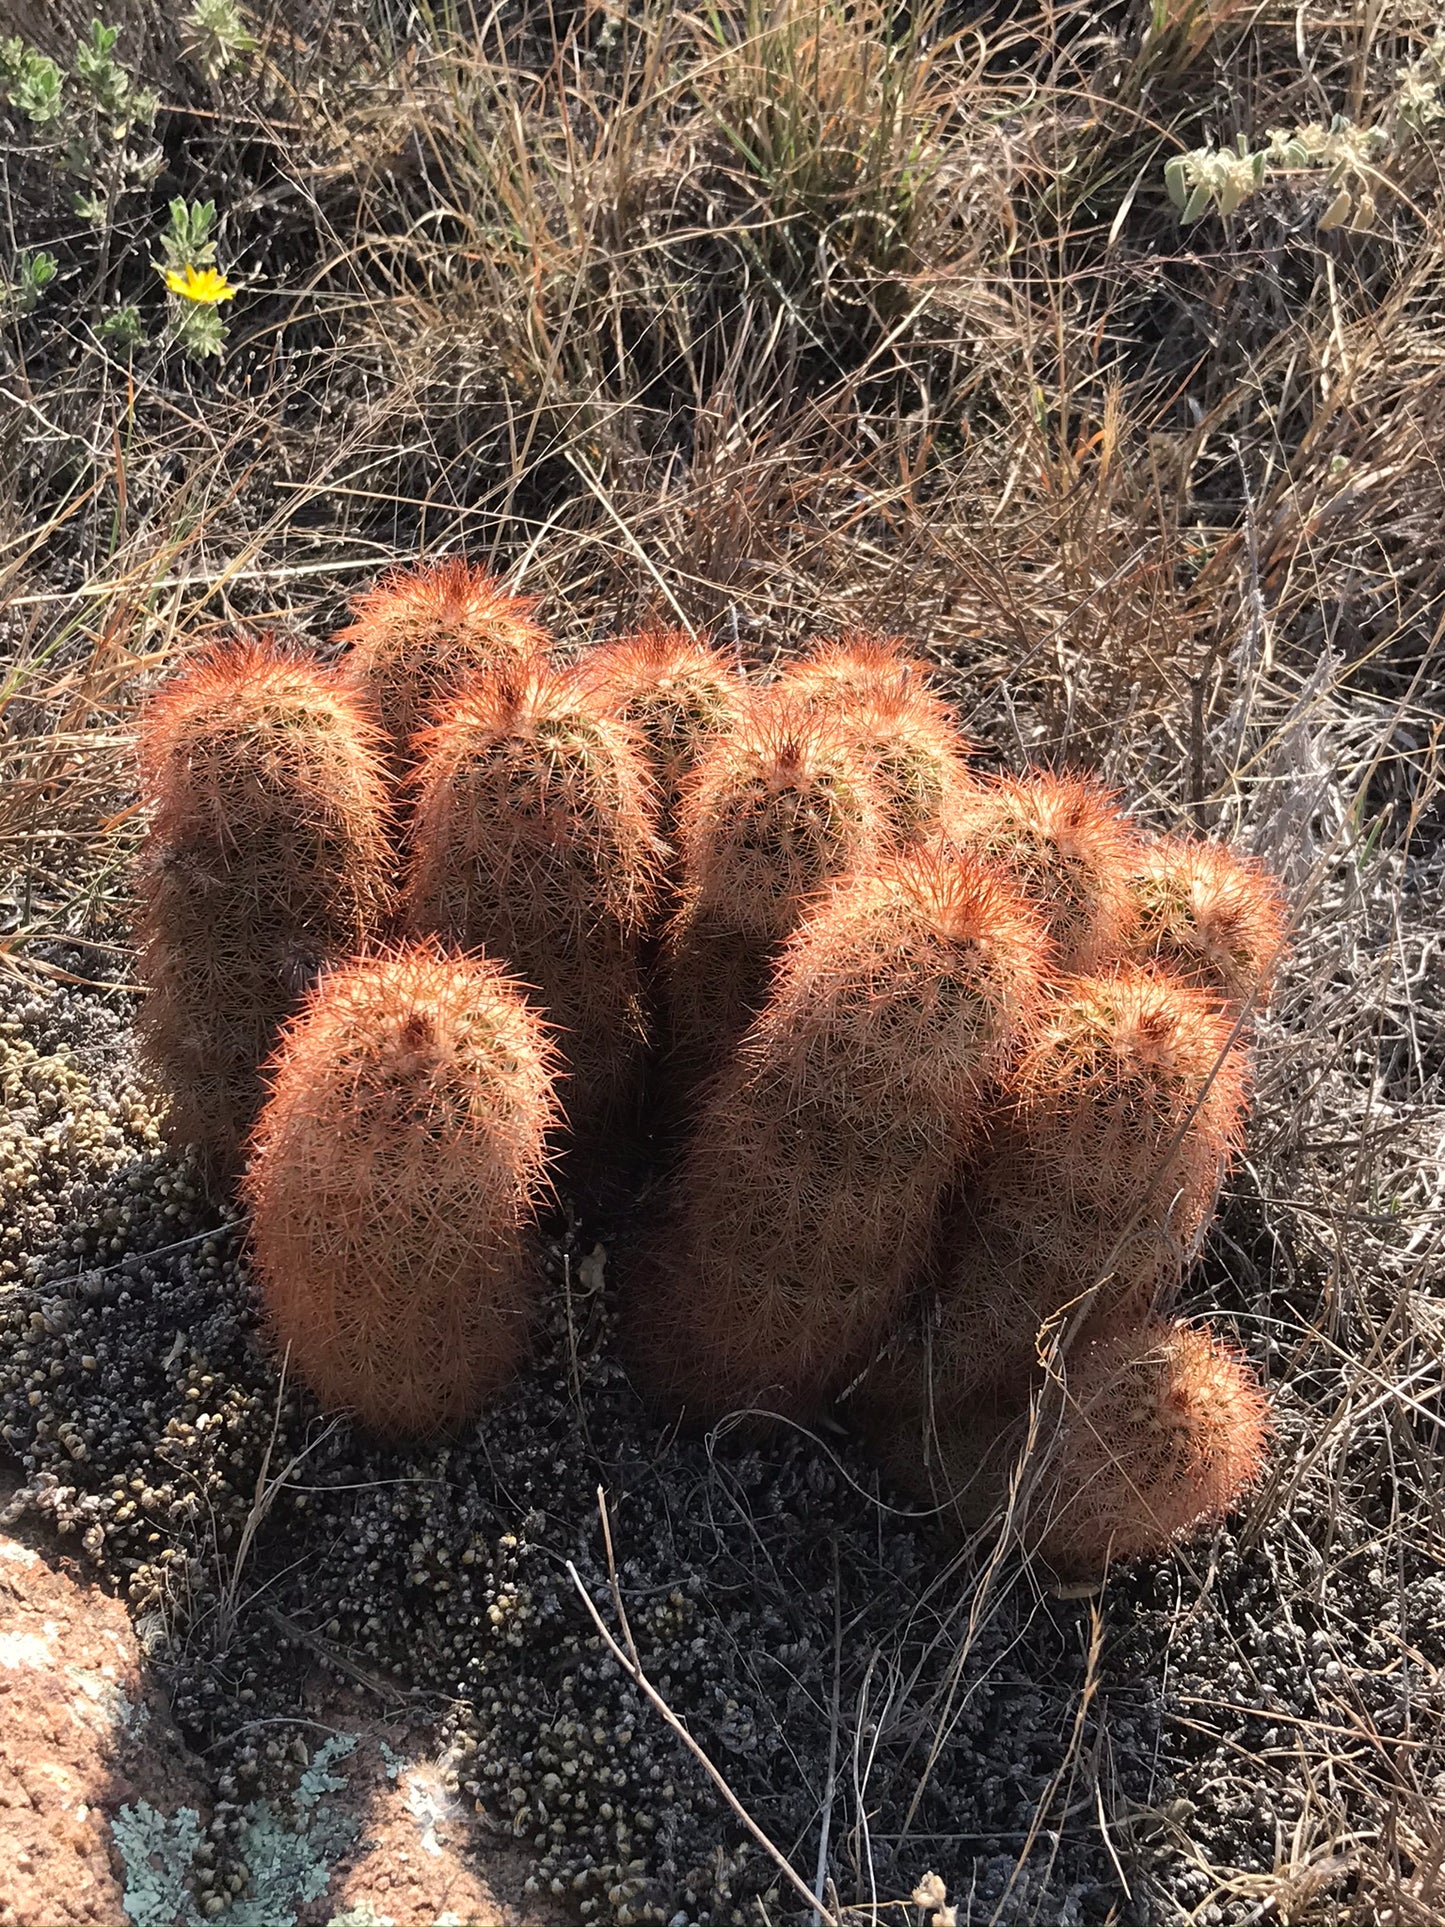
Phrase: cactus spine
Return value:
(1164, 1428)
(266, 854)
(774, 809)
(1209, 917)
(879, 692)
(1062, 840)
(396, 1164)
(838, 670)
(535, 840)
(818, 1162)
(1127, 1106)
(420, 633)
(679, 692)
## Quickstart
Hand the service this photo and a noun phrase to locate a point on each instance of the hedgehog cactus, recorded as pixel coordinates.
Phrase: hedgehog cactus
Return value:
(819, 1160)
(917, 759)
(856, 666)
(1068, 850)
(774, 809)
(267, 853)
(879, 692)
(395, 1167)
(420, 633)
(535, 840)
(1209, 917)
(1163, 1429)
(678, 691)
(1126, 1108)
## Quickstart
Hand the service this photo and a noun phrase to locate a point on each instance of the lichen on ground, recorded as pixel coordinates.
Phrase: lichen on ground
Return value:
(283, 1860)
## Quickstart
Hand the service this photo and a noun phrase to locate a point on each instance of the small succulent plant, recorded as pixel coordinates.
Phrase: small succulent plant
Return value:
(420, 633)
(1164, 1429)
(266, 855)
(396, 1165)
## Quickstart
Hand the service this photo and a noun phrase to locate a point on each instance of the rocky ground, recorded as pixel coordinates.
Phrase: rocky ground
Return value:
(101, 1802)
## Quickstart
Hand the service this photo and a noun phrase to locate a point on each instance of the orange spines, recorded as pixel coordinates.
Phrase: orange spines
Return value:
(394, 1169)
(879, 693)
(1212, 918)
(916, 756)
(815, 1171)
(855, 666)
(1128, 1103)
(266, 854)
(1067, 848)
(1163, 1429)
(420, 633)
(535, 840)
(774, 809)
(680, 692)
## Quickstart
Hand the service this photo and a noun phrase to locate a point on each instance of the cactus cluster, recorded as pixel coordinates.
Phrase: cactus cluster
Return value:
(944, 1069)
(818, 1162)
(1124, 1110)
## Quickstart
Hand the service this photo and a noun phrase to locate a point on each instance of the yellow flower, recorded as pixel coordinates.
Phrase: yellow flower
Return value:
(204, 286)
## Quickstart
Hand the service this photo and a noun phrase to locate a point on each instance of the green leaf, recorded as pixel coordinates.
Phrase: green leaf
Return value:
(103, 78)
(200, 332)
(35, 88)
(186, 237)
(216, 37)
(1196, 205)
(122, 327)
(1176, 179)
(34, 272)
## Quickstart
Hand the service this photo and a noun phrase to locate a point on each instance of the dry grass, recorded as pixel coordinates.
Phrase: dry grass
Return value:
(781, 320)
